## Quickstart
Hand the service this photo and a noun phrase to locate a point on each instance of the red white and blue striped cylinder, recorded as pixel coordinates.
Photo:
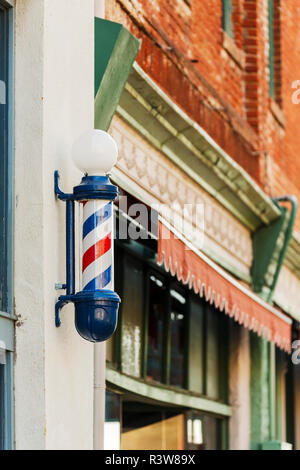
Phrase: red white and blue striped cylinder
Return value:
(97, 235)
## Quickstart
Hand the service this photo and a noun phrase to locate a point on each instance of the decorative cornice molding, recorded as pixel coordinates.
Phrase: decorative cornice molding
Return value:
(225, 237)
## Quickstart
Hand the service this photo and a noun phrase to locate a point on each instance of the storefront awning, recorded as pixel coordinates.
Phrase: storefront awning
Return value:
(207, 279)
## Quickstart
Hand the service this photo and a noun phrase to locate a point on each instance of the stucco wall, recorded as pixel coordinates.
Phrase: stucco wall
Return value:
(54, 104)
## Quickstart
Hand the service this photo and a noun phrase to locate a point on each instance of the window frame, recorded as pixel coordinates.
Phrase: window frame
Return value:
(7, 317)
(150, 268)
(9, 204)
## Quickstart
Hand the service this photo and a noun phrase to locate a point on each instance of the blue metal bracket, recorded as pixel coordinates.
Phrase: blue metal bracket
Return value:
(70, 248)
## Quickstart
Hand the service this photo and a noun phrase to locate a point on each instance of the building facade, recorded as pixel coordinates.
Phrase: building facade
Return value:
(202, 100)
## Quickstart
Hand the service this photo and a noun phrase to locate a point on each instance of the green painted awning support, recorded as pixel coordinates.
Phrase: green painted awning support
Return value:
(115, 52)
(260, 404)
(270, 244)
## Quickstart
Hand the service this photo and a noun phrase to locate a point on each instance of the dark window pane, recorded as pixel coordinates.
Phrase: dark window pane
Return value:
(157, 315)
(212, 352)
(196, 344)
(112, 406)
(3, 155)
(132, 317)
(177, 338)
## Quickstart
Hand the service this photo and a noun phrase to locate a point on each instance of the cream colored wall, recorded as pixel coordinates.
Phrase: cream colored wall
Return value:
(287, 292)
(54, 104)
(239, 388)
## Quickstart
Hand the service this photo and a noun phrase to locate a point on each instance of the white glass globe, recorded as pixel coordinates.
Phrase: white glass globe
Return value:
(95, 153)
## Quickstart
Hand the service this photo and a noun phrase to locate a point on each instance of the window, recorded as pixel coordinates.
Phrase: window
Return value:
(275, 50)
(132, 318)
(132, 424)
(204, 432)
(178, 338)
(5, 160)
(156, 327)
(227, 17)
(166, 333)
(6, 198)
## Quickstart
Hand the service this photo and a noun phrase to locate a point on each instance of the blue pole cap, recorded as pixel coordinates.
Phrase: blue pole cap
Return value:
(96, 314)
(95, 187)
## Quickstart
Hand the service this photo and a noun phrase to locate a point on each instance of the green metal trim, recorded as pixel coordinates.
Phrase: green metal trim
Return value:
(267, 243)
(165, 395)
(227, 17)
(152, 113)
(115, 51)
(272, 389)
(287, 237)
(270, 244)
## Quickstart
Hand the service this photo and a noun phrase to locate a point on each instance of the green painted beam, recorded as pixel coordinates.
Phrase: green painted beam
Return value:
(267, 244)
(165, 395)
(115, 52)
(260, 392)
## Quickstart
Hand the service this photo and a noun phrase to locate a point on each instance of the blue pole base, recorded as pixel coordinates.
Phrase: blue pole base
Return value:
(96, 314)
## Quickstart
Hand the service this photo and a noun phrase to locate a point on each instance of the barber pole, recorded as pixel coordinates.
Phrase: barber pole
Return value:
(96, 305)
(97, 235)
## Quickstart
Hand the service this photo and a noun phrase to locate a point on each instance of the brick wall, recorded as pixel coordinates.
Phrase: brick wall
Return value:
(223, 83)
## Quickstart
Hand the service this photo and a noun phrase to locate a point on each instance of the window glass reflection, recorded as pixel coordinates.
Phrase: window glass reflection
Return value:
(178, 305)
(156, 328)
